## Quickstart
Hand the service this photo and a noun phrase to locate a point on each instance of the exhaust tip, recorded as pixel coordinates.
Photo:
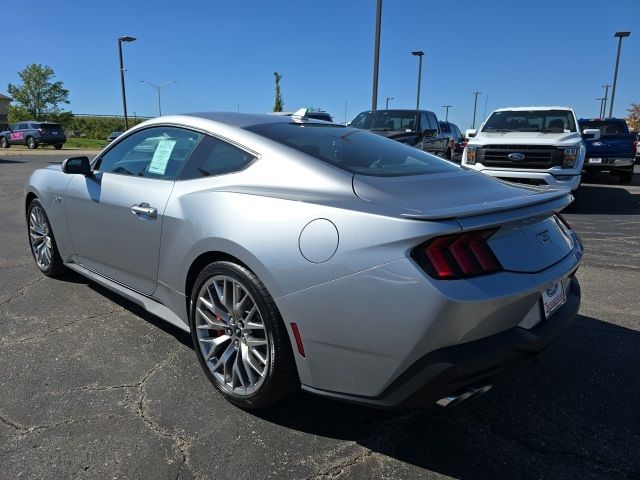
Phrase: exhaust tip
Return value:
(452, 400)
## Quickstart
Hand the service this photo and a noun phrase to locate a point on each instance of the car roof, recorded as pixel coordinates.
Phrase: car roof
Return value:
(243, 120)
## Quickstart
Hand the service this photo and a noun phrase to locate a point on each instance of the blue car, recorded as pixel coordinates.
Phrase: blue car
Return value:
(33, 134)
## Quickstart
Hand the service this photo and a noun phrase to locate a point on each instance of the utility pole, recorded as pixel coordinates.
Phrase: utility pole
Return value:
(475, 105)
(376, 57)
(387, 102)
(418, 54)
(602, 107)
(446, 115)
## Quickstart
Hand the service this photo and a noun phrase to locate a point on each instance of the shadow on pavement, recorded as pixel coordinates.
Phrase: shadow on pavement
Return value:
(3, 160)
(181, 336)
(572, 414)
(603, 200)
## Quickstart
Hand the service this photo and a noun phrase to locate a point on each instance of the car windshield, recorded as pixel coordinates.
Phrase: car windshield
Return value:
(546, 121)
(381, 120)
(354, 150)
(608, 128)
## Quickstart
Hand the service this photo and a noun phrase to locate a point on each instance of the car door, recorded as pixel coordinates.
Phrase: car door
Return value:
(115, 216)
(431, 144)
(17, 134)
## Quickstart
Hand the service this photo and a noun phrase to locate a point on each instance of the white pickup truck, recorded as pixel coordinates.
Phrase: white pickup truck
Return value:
(533, 145)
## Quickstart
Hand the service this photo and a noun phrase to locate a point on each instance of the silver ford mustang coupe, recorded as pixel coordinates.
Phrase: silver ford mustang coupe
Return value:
(300, 253)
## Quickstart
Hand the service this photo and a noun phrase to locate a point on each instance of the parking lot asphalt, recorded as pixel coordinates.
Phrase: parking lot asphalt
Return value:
(91, 386)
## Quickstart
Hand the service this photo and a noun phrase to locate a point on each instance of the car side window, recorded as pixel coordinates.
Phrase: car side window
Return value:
(424, 122)
(432, 121)
(215, 157)
(156, 152)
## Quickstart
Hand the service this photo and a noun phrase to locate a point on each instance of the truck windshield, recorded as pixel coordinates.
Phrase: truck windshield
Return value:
(381, 120)
(546, 121)
(353, 150)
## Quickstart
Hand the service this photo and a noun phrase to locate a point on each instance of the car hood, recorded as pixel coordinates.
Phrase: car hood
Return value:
(461, 193)
(525, 138)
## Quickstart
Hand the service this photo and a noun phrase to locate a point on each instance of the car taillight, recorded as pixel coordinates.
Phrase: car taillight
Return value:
(461, 255)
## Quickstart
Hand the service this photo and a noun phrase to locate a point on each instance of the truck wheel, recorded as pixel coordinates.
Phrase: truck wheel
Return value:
(447, 155)
(626, 177)
(58, 146)
(4, 143)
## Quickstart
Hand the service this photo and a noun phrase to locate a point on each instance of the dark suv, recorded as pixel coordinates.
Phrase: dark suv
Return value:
(416, 128)
(32, 134)
(456, 141)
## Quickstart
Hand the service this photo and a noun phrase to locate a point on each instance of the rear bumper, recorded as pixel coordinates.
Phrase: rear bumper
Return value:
(51, 140)
(452, 370)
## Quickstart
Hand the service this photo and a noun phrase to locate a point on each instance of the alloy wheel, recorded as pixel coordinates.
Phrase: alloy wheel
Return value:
(40, 237)
(231, 335)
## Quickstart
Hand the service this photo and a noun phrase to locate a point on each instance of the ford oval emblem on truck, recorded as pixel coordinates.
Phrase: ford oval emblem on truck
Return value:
(516, 156)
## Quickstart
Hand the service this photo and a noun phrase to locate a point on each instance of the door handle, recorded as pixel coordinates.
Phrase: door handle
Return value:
(144, 209)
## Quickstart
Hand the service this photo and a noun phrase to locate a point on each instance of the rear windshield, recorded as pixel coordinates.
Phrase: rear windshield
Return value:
(354, 150)
(607, 128)
(546, 121)
(320, 116)
(381, 120)
(47, 126)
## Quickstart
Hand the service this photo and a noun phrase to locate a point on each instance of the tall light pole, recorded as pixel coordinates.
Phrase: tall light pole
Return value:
(475, 105)
(158, 88)
(446, 114)
(376, 57)
(606, 96)
(418, 54)
(387, 102)
(620, 36)
(124, 38)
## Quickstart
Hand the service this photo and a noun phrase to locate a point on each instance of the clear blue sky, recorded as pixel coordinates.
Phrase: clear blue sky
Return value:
(223, 53)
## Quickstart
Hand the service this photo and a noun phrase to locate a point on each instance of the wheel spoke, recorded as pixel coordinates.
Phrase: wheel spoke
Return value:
(212, 323)
(215, 343)
(256, 342)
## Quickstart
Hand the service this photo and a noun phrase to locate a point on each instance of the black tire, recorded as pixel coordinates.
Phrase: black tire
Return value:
(31, 143)
(447, 154)
(281, 377)
(625, 177)
(56, 267)
(58, 146)
(4, 143)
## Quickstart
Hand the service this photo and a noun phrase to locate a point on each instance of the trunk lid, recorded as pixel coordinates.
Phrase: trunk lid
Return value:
(529, 238)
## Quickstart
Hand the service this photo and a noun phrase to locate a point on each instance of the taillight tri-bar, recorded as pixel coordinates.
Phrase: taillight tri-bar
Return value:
(461, 255)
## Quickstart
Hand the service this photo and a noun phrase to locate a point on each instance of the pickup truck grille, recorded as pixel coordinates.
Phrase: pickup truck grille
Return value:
(535, 156)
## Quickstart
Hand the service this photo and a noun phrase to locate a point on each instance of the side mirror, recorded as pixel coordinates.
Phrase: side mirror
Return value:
(75, 165)
(588, 132)
(472, 132)
(429, 133)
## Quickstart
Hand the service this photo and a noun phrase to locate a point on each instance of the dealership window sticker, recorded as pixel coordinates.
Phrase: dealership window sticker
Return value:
(161, 156)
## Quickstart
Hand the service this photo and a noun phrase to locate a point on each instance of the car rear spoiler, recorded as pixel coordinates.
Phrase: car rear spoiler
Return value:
(526, 206)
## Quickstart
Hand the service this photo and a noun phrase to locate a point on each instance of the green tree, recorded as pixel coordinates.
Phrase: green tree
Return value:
(279, 103)
(633, 119)
(38, 96)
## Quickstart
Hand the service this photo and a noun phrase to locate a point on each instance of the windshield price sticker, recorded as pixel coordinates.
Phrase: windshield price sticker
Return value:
(161, 156)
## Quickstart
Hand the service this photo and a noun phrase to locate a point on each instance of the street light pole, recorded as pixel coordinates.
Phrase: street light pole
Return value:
(124, 38)
(387, 103)
(418, 54)
(475, 105)
(376, 57)
(606, 96)
(446, 115)
(158, 88)
(620, 36)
